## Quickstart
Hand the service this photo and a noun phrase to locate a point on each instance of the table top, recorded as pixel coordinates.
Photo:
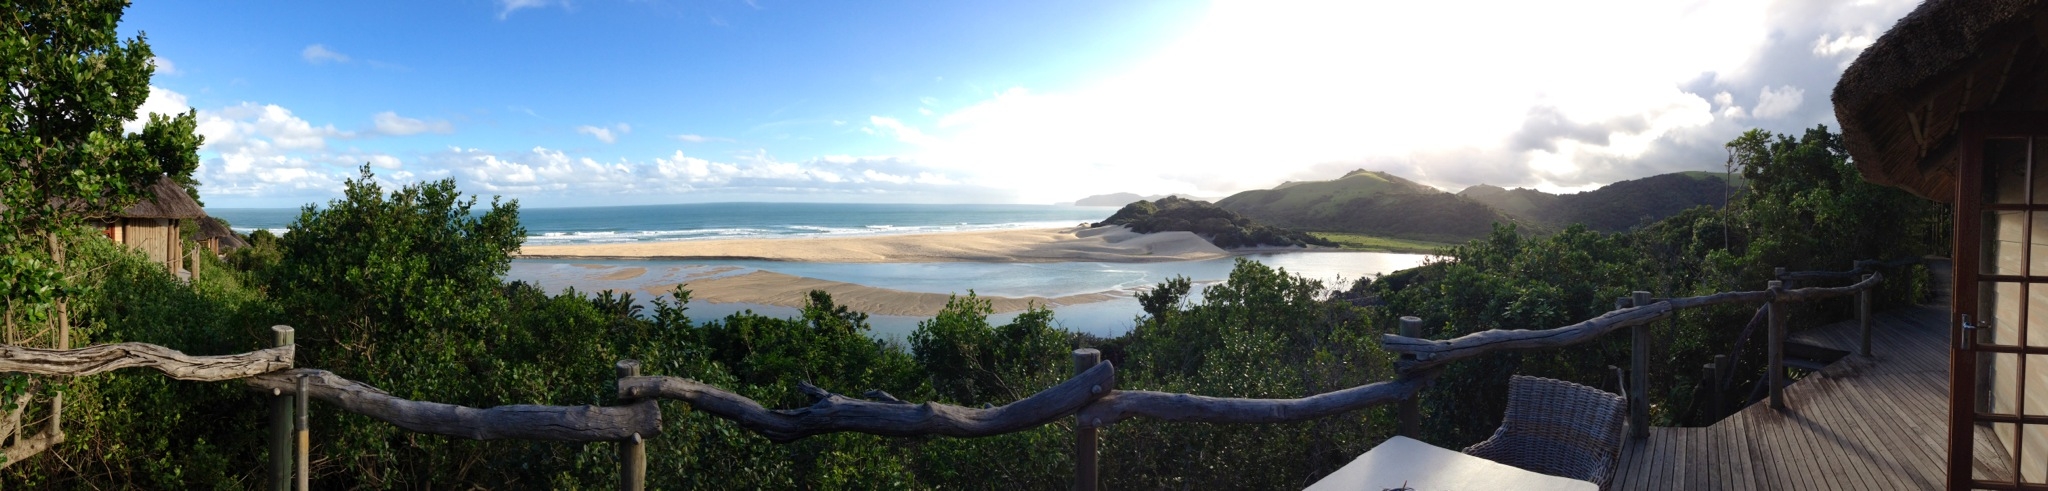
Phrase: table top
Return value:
(1424, 467)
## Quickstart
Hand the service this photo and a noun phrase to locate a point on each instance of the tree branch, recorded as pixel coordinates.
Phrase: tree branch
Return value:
(93, 360)
(518, 421)
(888, 417)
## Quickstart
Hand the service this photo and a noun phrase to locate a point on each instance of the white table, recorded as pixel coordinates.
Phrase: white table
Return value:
(1425, 467)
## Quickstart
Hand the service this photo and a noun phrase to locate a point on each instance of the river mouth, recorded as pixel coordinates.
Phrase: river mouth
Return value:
(1113, 316)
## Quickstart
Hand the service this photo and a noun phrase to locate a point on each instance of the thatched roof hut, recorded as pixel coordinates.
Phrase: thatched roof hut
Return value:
(164, 199)
(1899, 104)
(215, 235)
(151, 224)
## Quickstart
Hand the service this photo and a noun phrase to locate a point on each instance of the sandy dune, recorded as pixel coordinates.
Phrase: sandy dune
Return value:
(771, 288)
(1105, 244)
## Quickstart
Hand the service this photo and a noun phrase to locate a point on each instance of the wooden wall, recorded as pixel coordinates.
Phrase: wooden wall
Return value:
(157, 238)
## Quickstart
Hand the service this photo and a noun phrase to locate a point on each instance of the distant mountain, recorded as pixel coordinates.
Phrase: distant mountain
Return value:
(1221, 227)
(1611, 208)
(1382, 204)
(1120, 199)
(1369, 202)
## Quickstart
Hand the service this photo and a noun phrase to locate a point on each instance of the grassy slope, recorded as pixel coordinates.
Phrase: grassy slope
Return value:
(1369, 203)
(1361, 242)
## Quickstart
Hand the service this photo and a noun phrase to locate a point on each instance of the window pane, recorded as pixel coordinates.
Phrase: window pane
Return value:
(2004, 232)
(2005, 171)
(1998, 312)
(1998, 383)
(2034, 453)
(2036, 403)
(1993, 451)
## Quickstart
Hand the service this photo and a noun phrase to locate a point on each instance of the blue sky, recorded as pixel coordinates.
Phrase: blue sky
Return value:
(632, 102)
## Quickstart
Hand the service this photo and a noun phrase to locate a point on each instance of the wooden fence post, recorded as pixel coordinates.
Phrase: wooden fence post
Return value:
(1085, 471)
(1639, 372)
(1863, 316)
(1721, 369)
(1707, 384)
(1776, 344)
(305, 471)
(632, 452)
(281, 423)
(1411, 408)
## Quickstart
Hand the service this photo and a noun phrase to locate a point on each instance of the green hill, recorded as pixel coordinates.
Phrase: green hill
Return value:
(1610, 208)
(1371, 203)
(1221, 227)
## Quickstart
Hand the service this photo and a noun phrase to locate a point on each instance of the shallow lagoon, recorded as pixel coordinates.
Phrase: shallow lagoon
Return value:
(1110, 318)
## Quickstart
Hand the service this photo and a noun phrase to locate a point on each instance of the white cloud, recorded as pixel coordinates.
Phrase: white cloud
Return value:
(506, 7)
(319, 54)
(606, 134)
(1778, 102)
(390, 123)
(163, 66)
(692, 138)
(160, 101)
(1556, 95)
(1830, 45)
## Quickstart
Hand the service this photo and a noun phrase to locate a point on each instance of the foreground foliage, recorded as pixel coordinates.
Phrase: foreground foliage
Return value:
(400, 289)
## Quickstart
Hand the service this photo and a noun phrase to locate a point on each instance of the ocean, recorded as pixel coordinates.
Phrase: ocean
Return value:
(701, 221)
(715, 221)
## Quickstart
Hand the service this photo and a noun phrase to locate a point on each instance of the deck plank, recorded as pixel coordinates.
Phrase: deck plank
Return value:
(1877, 422)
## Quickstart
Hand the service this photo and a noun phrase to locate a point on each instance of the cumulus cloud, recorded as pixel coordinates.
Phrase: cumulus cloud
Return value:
(693, 138)
(1535, 94)
(163, 66)
(506, 7)
(1776, 102)
(390, 123)
(604, 134)
(160, 101)
(319, 54)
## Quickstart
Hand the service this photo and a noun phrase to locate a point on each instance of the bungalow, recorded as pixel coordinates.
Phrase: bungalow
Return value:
(151, 224)
(1952, 104)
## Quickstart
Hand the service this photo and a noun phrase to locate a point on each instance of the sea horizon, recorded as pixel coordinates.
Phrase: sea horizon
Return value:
(741, 220)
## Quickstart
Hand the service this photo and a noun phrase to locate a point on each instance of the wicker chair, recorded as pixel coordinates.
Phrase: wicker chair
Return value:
(1558, 428)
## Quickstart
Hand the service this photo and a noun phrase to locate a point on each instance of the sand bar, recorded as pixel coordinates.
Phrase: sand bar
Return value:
(1104, 244)
(771, 288)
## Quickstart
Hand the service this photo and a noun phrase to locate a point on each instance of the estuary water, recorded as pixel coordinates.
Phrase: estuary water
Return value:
(714, 221)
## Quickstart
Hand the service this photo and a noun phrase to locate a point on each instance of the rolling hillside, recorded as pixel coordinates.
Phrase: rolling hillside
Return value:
(1221, 227)
(1368, 202)
(1611, 208)
(1384, 205)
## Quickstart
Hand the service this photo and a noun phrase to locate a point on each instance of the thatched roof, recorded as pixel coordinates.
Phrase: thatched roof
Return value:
(164, 199)
(1899, 102)
(213, 227)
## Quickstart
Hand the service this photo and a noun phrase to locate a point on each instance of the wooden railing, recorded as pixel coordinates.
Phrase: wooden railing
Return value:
(1090, 396)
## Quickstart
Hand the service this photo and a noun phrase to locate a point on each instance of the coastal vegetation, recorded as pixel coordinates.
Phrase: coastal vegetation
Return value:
(375, 299)
(1219, 226)
(1362, 242)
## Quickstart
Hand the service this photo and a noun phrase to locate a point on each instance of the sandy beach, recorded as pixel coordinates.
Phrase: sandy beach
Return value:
(771, 288)
(1104, 244)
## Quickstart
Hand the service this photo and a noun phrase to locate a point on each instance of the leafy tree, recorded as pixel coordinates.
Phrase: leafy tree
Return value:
(67, 85)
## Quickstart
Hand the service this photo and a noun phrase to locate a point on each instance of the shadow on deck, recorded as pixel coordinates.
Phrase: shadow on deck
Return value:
(1878, 422)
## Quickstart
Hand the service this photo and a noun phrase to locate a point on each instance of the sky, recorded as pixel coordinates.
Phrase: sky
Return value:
(600, 103)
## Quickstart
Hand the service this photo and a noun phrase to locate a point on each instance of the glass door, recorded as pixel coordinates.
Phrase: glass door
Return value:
(1998, 360)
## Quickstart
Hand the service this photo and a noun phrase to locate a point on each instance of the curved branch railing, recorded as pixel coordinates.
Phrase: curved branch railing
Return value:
(1090, 395)
(887, 417)
(94, 360)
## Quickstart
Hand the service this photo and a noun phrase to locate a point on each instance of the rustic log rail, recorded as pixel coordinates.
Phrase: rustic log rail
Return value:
(94, 360)
(1091, 395)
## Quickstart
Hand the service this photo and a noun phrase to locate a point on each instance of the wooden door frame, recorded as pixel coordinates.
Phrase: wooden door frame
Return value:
(1966, 247)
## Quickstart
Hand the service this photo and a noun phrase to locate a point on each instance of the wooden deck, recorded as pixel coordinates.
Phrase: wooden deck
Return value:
(1860, 424)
